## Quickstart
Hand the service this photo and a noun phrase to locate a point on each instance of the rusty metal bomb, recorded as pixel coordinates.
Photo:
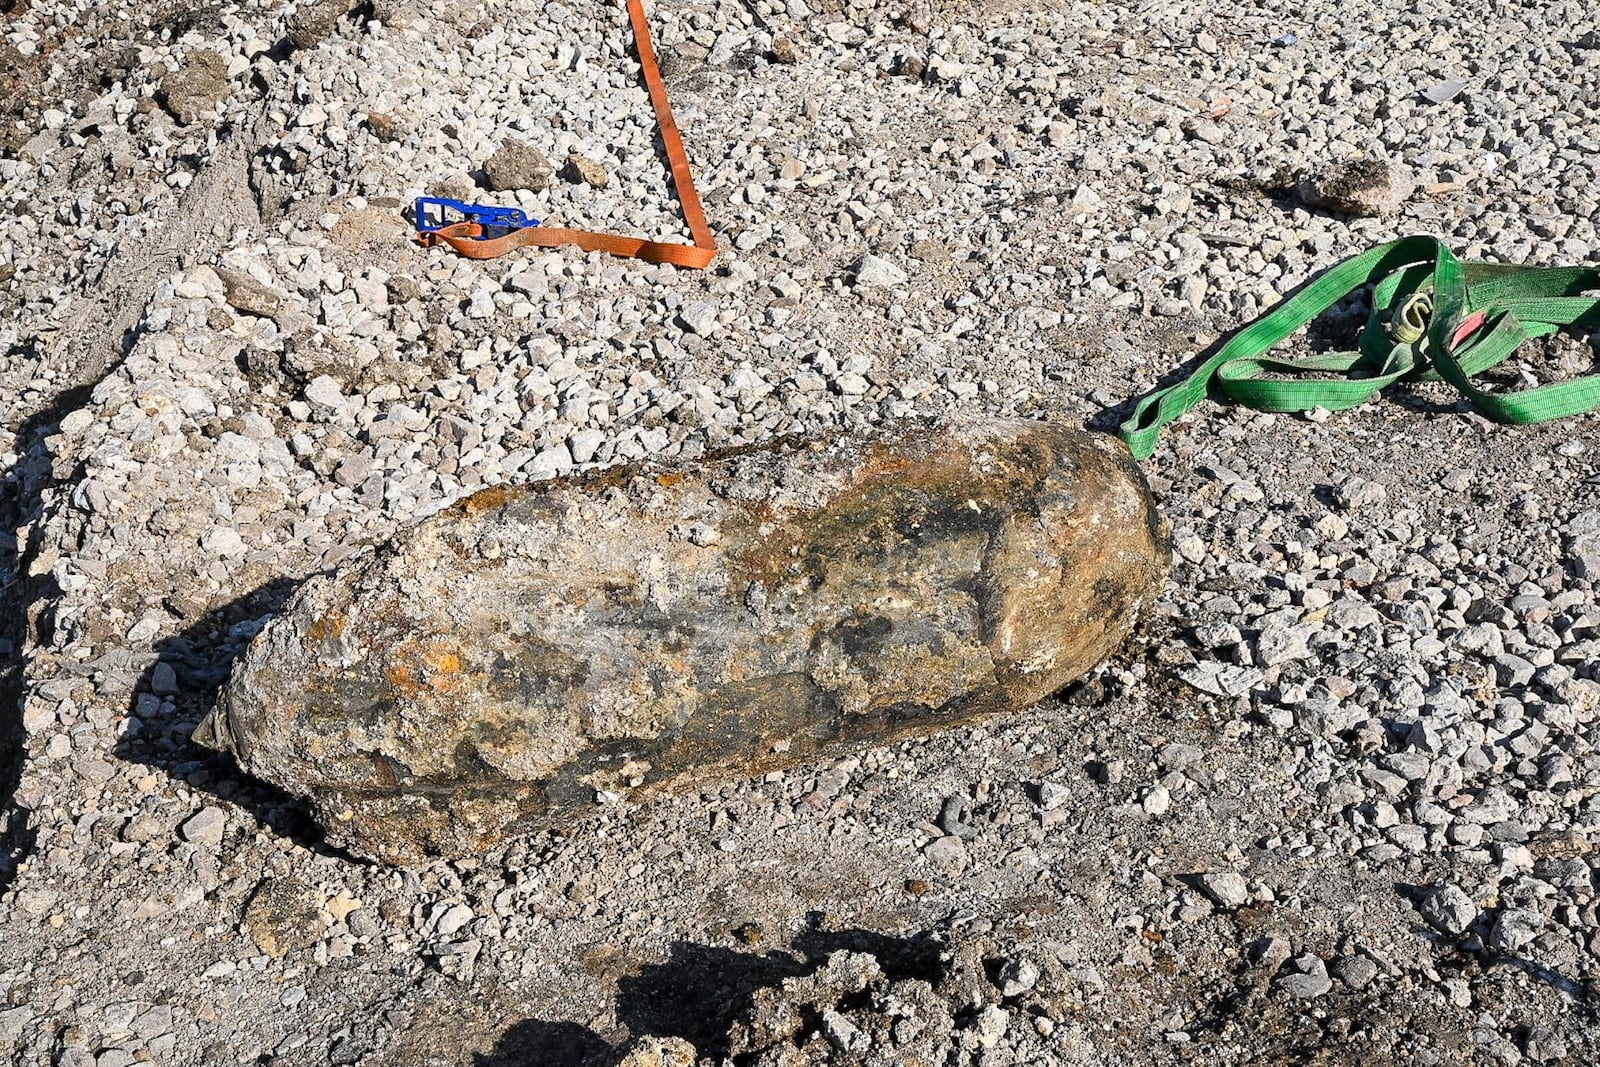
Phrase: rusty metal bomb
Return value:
(644, 630)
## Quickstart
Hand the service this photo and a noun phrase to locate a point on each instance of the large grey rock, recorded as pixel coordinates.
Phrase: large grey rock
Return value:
(642, 630)
(1514, 929)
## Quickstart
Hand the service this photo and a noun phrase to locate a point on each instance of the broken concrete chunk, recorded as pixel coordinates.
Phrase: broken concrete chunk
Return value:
(580, 170)
(877, 271)
(518, 165)
(1365, 187)
(197, 87)
(659, 1052)
(509, 660)
(244, 293)
(314, 22)
(284, 915)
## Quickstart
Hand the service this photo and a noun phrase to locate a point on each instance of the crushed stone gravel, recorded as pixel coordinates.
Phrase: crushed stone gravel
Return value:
(1368, 693)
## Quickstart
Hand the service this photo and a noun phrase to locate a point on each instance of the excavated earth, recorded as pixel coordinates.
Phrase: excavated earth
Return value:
(1336, 800)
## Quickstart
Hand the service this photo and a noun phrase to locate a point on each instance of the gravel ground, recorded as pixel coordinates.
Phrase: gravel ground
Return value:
(1338, 801)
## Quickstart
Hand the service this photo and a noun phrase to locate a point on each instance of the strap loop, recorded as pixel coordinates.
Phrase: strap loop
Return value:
(1447, 320)
(468, 238)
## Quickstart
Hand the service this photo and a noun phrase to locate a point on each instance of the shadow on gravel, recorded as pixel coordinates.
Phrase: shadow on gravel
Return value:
(921, 956)
(16, 837)
(698, 992)
(27, 609)
(166, 707)
(1469, 956)
(546, 1044)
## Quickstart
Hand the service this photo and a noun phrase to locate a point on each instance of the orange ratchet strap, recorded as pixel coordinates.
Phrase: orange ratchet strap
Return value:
(468, 238)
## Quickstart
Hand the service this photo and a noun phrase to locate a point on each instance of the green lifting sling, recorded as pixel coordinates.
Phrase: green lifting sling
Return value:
(1433, 318)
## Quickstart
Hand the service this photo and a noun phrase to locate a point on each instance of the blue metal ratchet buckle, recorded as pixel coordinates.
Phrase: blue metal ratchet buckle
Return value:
(434, 214)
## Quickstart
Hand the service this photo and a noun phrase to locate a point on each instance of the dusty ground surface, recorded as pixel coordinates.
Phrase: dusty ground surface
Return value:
(1338, 800)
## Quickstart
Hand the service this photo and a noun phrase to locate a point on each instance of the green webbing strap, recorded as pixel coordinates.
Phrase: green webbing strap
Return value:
(1433, 318)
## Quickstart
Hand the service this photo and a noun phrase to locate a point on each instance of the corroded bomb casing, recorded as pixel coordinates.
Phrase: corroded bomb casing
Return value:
(638, 630)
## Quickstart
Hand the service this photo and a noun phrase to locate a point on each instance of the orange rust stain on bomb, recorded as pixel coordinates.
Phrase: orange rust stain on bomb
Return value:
(882, 464)
(670, 479)
(438, 669)
(442, 660)
(328, 626)
(402, 682)
(487, 499)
